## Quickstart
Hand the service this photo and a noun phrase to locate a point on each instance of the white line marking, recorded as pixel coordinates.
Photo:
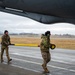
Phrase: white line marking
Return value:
(56, 60)
(24, 68)
(48, 65)
(27, 69)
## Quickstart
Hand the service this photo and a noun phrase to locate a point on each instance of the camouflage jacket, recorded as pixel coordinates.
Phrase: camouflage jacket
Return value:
(5, 40)
(45, 43)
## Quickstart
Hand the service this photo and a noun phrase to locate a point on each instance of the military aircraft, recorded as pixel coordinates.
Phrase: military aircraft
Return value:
(44, 11)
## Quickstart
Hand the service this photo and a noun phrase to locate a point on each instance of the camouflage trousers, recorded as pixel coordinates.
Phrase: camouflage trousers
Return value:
(7, 52)
(46, 58)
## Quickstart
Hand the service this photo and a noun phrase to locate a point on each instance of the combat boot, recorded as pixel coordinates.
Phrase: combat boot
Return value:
(46, 70)
(9, 60)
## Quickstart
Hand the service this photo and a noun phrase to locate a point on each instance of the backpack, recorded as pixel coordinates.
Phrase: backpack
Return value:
(44, 42)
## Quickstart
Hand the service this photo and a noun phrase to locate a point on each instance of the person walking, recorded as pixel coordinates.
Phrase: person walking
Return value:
(5, 42)
(44, 47)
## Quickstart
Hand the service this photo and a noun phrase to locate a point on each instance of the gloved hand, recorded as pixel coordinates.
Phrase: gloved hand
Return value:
(52, 46)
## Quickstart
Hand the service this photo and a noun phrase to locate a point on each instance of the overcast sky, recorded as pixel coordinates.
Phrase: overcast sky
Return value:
(14, 23)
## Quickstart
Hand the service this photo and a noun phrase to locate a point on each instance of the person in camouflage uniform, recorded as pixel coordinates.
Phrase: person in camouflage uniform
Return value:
(5, 42)
(44, 47)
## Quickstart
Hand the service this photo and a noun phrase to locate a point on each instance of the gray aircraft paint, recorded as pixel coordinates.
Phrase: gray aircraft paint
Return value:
(44, 11)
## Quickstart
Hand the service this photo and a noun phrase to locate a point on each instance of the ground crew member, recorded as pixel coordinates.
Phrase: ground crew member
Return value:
(4, 45)
(44, 47)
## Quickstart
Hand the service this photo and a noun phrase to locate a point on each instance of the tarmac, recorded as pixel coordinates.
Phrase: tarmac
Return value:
(12, 70)
(28, 60)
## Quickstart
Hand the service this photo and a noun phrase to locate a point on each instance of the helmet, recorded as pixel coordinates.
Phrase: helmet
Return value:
(46, 33)
(5, 31)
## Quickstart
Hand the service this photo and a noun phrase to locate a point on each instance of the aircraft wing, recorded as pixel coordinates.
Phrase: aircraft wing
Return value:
(41, 14)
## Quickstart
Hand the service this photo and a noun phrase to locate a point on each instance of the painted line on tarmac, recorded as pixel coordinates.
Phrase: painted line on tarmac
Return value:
(27, 69)
(55, 60)
(48, 65)
(23, 68)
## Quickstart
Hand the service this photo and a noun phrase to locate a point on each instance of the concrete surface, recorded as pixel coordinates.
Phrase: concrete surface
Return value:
(28, 60)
